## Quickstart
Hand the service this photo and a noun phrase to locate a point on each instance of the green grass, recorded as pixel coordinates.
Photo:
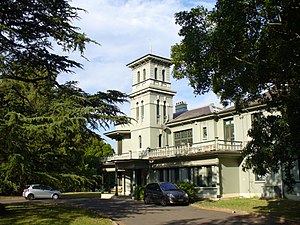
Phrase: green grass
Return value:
(70, 195)
(278, 207)
(49, 214)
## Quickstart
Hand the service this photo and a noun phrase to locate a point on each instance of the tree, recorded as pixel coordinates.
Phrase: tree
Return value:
(45, 135)
(246, 51)
(46, 128)
(29, 30)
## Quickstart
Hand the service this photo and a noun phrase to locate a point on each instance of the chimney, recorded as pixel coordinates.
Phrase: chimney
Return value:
(180, 107)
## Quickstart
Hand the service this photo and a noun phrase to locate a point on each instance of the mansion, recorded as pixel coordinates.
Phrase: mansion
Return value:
(167, 142)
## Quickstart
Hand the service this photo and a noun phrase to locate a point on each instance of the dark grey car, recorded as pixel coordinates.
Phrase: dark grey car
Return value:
(165, 193)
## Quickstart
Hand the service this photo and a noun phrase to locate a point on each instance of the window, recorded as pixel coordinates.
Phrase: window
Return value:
(204, 133)
(229, 130)
(140, 141)
(144, 74)
(155, 73)
(203, 176)
(157, 108)
(142, 111)
(165, 110)
(163, 75)
(160, 140)
(138, 77)
(260, 177)
(137, 111)
(183, 137)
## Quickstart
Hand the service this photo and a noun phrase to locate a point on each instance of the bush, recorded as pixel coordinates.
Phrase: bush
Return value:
(2, 208)
(139, 192)
(189, 189)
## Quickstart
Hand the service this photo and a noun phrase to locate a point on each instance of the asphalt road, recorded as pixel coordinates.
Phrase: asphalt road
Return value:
(130, 212)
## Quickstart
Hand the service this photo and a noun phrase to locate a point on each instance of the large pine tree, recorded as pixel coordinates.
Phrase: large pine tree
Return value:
(47, 129)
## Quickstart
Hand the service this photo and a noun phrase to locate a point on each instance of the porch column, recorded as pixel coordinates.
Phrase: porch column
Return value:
(116, 180)
(133, 182)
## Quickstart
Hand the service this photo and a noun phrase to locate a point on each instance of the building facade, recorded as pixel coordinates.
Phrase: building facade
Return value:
(200, 146)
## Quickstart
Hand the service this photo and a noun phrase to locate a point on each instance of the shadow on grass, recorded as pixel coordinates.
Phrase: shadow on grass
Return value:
(281, 208)
(43, 213)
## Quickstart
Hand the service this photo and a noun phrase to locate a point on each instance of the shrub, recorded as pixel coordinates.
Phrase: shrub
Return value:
(2, 208)
(189, 189)
(139, 192)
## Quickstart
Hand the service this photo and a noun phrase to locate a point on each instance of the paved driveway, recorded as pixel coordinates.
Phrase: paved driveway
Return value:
(130, 212)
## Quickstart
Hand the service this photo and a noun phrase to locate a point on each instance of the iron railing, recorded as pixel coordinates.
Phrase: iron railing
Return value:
(183, 150)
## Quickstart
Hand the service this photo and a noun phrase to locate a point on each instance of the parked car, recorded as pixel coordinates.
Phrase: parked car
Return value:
(165, 193)
(40, 191)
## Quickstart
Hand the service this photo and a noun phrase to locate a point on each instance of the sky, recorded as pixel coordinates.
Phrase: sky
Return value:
(127, 30)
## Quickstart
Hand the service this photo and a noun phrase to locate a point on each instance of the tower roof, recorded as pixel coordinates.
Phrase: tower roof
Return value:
(149, 57)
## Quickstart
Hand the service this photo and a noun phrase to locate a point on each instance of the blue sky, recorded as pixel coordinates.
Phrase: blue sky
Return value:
(127, 30)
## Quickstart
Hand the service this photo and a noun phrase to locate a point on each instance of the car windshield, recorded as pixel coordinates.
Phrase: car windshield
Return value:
(168, 187)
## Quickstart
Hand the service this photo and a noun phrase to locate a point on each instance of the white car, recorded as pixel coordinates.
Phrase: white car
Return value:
(40, 191)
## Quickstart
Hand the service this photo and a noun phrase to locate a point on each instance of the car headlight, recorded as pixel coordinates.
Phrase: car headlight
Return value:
(186, 195)
(170, 195)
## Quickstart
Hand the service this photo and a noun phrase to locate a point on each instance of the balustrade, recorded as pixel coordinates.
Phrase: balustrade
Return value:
(183, 150)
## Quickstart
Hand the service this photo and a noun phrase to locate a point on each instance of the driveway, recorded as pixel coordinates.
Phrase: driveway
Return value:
(130, 212)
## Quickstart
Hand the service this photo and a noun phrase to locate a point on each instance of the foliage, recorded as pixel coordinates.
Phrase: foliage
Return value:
(189, 189)
(50, 214)
(284, 208)
(139, 192)
(48, 130)
(240, 50)
(29, 31)
(46, 138)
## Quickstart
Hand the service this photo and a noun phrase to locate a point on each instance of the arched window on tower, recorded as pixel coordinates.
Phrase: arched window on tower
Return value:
(144, 74)
(160, 140)
(142, 111)
(155, 73)
(165, 110)
(163, 75)
(140, 141)
(157, 111)
(137, 111)
(138, 77)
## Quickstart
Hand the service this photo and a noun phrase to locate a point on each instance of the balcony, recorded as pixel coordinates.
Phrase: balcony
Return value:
(183, 150)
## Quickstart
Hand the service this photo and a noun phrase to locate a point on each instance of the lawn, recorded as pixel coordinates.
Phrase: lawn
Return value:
(276, 207)
(49, 214)
(70, 195)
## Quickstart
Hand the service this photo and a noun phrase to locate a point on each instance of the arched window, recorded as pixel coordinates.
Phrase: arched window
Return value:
(160, 140)
(165, 110)
(157, 108)
(140, 141)
(144, 74)
(138, 77)
(137, 111)
(155, 73)
(163, 75)
(142, 111)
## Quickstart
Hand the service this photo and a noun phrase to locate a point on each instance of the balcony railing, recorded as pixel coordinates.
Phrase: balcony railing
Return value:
(183, 150)
(214, 145)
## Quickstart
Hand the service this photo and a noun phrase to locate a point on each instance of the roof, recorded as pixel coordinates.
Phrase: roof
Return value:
(117, 133)
(147, 58)
(195, 113)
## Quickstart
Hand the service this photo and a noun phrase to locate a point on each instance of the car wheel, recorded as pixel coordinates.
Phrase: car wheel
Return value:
(30, 197)
(163, 202)
(55, 196)
(147, 200)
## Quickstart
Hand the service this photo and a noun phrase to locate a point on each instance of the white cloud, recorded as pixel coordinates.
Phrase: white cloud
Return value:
(127, 30)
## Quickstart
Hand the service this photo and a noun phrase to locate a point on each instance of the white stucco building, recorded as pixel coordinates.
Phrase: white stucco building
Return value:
(201, 146)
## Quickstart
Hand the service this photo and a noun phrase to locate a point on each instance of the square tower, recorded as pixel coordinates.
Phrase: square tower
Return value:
(151, 101)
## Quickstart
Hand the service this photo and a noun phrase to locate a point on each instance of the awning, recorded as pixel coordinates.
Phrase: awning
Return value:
(203, 162)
